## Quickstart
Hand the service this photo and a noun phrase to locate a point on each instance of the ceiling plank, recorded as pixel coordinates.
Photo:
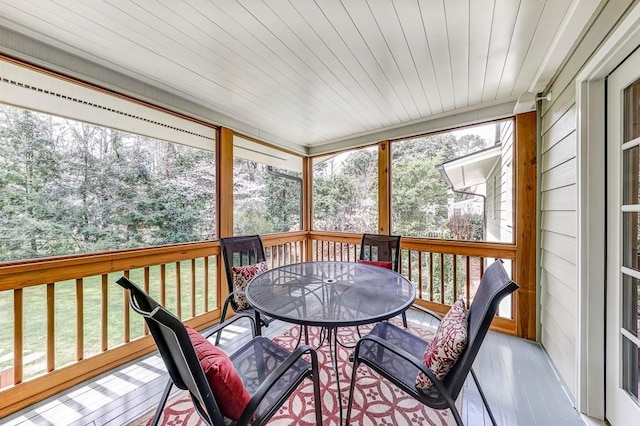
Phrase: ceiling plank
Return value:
(458, 33)
(434, 21)
(504, 18)
(479, 39)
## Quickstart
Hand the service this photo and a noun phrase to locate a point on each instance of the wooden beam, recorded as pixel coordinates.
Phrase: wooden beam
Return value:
(307, 205)
(384, 187)
(224, 204)
(224, 178)
(524, 268)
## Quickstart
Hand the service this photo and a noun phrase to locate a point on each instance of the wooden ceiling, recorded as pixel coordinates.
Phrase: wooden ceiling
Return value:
(317, 73)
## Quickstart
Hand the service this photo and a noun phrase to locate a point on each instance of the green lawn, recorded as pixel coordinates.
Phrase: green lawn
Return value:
(34, 340)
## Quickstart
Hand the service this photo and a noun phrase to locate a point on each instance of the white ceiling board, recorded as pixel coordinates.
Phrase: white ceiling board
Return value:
(410, 16)
(502, 26)
(395, 38)
(524, 29)
(551, 17)
(313, 73)
(479, 41)
(566, 35)
(435, 25)
(458, 35)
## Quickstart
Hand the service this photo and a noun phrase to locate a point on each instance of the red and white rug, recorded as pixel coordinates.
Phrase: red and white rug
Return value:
(376, 401)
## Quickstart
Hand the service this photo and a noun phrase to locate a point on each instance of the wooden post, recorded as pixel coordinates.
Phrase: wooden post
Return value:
(224, 189)
(307, 206)
(524, 268)
(384, 187)
(224, 196)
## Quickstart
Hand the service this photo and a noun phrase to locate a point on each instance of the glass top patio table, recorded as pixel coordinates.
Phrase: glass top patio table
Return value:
(330, 294)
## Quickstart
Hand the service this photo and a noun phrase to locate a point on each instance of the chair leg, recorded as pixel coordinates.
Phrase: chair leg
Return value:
(484, 399)
(315, 377)
(456, 415)
(162, 403)
(258, 330)
(222, 318)
(352, 386)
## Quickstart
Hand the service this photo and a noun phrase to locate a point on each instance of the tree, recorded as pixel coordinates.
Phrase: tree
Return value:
(419, 196)
(29, 167)
(70, 187)
(345, 192)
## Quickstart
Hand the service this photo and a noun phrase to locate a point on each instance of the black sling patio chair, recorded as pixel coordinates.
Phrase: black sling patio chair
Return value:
(269, 372)
(241, 251)
(378, 249)
(381, 248)
(396, 354)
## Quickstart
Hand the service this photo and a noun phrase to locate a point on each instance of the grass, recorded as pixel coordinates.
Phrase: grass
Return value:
(65, 308)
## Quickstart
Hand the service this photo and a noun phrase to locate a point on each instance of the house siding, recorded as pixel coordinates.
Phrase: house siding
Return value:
(500, 191)
(558, 199)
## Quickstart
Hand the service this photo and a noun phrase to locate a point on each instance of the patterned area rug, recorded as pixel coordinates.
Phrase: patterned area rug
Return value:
(376, 401)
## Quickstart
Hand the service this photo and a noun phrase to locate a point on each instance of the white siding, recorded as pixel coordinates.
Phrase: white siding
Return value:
(500, 191)
(558, 183)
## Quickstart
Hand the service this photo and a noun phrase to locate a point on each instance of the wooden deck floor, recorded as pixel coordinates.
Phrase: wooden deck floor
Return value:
(516, 375)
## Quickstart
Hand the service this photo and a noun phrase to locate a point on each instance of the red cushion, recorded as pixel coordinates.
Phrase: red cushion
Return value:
(227, 387)
(380, 263)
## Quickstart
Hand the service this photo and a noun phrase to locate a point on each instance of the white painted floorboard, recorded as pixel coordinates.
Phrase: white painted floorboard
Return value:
(518, 380)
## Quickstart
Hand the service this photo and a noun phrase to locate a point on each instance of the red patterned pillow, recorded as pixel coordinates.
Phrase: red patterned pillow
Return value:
(227, 387)
(380, 263)
(241, 277)
(447, 345)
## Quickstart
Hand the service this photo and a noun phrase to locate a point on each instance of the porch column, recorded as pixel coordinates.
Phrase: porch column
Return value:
(384, 187)
(224, 196)
(525, 224)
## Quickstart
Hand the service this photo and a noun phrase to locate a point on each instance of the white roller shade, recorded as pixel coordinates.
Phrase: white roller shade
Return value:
(252, 151)
(31, 89)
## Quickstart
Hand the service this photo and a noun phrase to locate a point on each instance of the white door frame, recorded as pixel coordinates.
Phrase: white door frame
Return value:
(590, 109)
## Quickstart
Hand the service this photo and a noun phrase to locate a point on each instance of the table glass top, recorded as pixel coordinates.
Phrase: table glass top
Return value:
(330, 293)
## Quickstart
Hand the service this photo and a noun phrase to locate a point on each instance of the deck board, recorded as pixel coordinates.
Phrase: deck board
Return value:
(516, 375)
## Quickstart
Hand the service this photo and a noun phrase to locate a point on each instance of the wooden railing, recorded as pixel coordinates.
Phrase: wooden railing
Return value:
(65, 320)
(429, 264)
(284, 249)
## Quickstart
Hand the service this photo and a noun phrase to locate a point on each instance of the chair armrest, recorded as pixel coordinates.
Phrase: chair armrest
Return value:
(426, 311)
(221, 326)
(273, 378)
(401, 353)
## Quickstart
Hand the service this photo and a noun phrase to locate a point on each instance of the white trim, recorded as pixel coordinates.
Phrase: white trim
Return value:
(591, 196)
(576, 18)
(631, 144)
(590, 187)
(445, 121)
(630, 208)
(631, 272)
(634, 339)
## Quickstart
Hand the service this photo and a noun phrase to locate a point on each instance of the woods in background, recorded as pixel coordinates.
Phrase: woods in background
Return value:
(69, 187)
